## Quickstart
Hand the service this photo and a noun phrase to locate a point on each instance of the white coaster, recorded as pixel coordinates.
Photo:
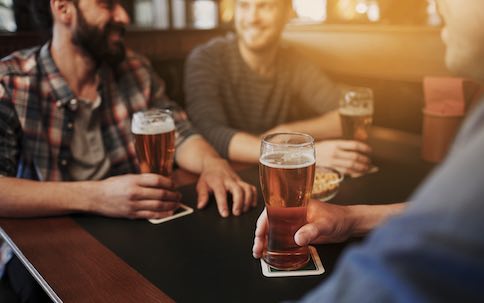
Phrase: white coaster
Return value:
(183, 210)
(313, 268)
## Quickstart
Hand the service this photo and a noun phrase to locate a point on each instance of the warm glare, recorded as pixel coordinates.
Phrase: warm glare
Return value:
(315, 10)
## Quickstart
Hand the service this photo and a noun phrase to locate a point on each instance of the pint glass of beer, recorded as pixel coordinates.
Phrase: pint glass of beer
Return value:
(154, 134)
(356, 112)
(286, 169)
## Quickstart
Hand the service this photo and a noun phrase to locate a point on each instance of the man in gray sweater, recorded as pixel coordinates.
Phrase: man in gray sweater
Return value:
(242, 86)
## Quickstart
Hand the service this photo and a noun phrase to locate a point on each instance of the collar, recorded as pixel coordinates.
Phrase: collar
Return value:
(62, 93)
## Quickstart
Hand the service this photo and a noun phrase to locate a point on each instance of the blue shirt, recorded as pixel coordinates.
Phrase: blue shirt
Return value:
(434, 251)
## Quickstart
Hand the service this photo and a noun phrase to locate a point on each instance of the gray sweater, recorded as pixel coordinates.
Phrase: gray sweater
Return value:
(224, 96)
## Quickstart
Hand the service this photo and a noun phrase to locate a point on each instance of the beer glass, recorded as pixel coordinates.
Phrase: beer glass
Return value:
(356, 112)
(154, 135)
(286, 169)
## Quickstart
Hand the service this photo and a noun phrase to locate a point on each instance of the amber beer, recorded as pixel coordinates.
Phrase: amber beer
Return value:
(356, 112)
(356, 122)
(286, 181)
(154, 133)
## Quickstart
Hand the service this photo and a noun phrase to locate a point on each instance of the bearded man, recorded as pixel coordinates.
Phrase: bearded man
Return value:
(65, 110)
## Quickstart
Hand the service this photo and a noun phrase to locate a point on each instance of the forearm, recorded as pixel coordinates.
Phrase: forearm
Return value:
(26, 198)
(367, 217)
(326, 126)
(244, 148)
(195, 154)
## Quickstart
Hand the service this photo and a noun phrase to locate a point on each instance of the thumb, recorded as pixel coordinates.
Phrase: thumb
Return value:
(306, 234)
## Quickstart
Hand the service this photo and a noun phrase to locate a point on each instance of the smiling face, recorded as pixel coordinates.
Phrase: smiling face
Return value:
(259, 23)
(464, 36)
(100, 29)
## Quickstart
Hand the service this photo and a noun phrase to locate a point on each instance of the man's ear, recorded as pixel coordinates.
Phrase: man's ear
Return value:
(62, 10)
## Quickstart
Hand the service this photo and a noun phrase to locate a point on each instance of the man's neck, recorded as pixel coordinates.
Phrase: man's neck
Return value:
(77, 68)
(261, 62)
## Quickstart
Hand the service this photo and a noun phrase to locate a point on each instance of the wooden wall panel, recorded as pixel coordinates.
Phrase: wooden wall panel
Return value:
(378, 52)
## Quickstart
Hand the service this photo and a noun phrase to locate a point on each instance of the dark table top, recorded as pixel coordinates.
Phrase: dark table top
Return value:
(197, 258)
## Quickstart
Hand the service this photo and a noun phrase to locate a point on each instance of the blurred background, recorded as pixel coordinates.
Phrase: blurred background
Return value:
(387, 45)
(210, 14)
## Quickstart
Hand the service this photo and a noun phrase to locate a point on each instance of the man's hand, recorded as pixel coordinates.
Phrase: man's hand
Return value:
(147, 196)
(327, 223)
(349, 157)
(331, 223)
(217, 177)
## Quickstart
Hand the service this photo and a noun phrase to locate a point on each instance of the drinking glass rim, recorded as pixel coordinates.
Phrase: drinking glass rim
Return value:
(147, 115)
(151, 112)
(268, 136)
(345, 93)
(155, 111)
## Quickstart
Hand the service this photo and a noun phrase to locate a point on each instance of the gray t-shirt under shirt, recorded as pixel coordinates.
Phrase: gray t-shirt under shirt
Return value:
(224, 96)
(89, 158)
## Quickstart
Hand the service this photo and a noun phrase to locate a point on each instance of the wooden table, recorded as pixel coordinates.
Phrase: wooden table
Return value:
(200, 257)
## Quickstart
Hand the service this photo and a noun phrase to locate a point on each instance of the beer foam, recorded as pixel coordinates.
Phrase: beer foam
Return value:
(150, 125)
(356, 111)
(288, 160)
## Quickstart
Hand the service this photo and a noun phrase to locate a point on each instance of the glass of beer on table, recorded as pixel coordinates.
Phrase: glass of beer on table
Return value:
(154, 135)
(286, 169)
(356, 112)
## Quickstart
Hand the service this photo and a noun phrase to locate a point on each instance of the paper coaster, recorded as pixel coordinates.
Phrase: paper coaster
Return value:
(183, 210)
(313, 268)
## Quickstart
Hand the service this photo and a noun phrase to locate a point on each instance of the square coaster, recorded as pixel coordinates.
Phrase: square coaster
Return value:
(183, 210)
(313, 268)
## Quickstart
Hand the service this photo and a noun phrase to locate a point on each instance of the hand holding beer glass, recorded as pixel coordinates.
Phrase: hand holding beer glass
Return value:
(286, 169)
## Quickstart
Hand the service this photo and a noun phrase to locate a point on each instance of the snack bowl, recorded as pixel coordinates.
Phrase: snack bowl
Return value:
(326, 183)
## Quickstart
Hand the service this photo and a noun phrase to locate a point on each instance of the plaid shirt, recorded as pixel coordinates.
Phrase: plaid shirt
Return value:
(37, 111)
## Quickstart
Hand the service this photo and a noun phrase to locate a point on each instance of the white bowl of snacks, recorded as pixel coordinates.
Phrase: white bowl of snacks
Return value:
(326, 183)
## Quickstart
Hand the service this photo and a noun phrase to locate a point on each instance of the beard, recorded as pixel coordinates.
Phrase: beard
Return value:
(95, 42)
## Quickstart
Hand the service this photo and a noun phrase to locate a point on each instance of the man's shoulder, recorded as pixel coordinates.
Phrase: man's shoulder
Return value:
(20, 63)
(215, 47)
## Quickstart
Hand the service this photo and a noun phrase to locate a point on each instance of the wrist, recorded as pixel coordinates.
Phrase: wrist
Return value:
(362, 219)
(367, 217)
(209, 161)
(89, 194)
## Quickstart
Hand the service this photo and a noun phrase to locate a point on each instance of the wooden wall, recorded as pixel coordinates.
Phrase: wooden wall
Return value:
(402, 53)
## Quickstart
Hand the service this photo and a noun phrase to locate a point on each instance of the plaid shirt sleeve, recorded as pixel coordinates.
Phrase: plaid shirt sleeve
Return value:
(184, 128)
(9, 135)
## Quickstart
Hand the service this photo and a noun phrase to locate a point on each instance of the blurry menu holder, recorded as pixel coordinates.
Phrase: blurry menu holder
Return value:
(444, 110)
